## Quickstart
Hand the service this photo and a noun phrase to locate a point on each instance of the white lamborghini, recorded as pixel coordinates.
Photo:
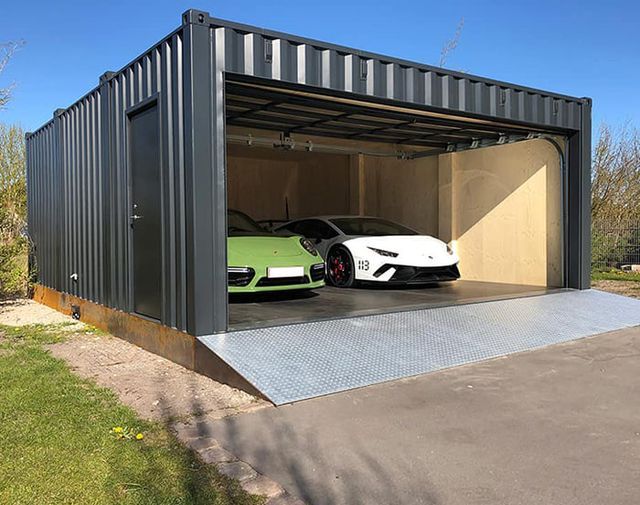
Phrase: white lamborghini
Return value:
(370, 249)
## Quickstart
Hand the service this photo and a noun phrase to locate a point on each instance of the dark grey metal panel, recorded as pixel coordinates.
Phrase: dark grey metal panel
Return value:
(159, 71)
(579, 203)
(41, 186)
(79, 186)
(76, 224)
(583, 187)
(320, 64)
(199, 178)
(205, 177)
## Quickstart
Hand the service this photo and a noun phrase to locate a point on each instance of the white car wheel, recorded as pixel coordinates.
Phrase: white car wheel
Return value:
(340, 268)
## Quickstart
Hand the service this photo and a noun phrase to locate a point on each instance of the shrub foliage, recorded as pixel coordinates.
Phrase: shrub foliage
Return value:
(13, 211)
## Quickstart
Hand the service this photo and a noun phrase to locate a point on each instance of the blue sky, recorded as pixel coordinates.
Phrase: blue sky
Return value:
(582, 48)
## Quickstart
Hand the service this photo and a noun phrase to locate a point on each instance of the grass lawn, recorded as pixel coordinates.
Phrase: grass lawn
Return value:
(615, 275)
(57, 445)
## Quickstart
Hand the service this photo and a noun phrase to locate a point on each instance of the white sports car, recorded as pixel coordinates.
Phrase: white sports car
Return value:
(370, 249)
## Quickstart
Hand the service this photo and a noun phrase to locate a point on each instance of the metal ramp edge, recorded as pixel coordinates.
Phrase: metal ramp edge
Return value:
(300, 361)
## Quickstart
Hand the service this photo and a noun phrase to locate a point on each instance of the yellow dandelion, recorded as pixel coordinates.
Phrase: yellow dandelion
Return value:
(139, 436)
(118, 429)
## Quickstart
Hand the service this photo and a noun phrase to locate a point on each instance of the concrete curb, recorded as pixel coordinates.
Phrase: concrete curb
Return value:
(196, 435)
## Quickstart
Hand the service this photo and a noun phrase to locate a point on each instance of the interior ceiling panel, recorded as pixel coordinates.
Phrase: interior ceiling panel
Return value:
(290, 111)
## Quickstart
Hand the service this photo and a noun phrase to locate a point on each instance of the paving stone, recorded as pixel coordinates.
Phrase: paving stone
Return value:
(285, 499)
(216, 455)
(202, 443)
(238, 470)
(263, 486)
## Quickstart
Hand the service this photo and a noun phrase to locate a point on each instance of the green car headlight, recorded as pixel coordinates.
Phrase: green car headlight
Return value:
(308, 246)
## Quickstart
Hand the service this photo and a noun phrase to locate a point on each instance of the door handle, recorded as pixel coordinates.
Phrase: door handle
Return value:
(134, 218)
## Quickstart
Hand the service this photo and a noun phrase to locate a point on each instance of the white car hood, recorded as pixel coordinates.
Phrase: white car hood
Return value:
(402, 243)
(418, 250)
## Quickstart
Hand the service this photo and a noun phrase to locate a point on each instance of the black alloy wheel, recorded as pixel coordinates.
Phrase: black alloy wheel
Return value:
(340, 271)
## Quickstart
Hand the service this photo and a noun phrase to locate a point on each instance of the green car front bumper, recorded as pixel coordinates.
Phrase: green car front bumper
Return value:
(271, 263)
(249, 280)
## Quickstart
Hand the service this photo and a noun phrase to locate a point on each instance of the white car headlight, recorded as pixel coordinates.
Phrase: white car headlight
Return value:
(382, 252)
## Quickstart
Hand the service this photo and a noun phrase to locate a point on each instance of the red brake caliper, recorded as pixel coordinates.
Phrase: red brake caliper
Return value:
(337, 268)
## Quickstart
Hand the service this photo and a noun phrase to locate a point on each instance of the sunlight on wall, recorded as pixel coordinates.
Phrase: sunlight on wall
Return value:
(501, 208)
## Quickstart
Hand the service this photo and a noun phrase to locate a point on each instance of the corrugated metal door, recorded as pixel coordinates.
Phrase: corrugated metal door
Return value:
(144, 159)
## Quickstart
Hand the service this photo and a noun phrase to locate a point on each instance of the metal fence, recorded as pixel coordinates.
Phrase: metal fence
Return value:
(614, 246)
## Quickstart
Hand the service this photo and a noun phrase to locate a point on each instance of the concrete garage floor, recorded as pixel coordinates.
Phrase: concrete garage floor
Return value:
(560, 425)
(268, 309)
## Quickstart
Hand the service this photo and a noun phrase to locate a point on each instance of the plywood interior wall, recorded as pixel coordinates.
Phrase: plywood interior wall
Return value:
(259, 179)
(405, 191)
(499, 206)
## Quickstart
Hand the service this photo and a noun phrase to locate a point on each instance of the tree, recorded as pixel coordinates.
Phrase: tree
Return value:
(615, 196)
(451, 45)
(13, 190)
(13, 196)
(615, 176)
(13, 209)
(6, 52)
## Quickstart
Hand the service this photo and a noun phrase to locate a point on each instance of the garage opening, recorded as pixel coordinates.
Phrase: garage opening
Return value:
(493, 192)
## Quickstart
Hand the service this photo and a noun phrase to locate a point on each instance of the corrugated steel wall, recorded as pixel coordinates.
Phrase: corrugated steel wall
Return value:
(42, 206)
(78, 186)
(271, 55)
(77, 163)
(80, 197)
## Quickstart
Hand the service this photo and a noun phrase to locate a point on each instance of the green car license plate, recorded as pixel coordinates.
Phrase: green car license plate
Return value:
(281, 272)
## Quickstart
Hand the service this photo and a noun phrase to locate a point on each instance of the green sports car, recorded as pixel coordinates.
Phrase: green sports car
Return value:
(259, 260)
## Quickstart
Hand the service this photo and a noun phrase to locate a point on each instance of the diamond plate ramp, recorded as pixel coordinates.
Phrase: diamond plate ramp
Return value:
(300, 361)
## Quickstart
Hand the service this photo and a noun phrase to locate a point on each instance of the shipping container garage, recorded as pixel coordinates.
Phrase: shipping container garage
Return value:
(139, 193)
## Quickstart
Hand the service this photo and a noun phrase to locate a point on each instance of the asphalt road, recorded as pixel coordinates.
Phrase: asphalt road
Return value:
(556, 426)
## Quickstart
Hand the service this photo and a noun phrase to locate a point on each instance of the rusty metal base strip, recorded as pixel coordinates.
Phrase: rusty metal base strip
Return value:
(169, 343)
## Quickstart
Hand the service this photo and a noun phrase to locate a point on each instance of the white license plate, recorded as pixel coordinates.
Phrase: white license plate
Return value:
(280, 272)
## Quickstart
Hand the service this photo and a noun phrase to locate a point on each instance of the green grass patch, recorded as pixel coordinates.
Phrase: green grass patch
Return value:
(615, 275)
(57, 443)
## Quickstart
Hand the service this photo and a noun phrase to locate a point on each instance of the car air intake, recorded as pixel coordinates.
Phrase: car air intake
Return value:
(282, 281)
(417, 275)
(240, 276)
(317, 272)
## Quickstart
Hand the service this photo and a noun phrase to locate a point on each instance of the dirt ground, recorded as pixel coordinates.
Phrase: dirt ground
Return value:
(20, 312)
(154, 387)
(625, 288)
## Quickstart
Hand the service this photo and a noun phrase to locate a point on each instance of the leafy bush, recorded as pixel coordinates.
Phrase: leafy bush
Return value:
(14, 248)
(611, 247)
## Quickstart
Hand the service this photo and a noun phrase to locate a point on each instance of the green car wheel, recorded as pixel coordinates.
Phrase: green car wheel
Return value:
(260, 261)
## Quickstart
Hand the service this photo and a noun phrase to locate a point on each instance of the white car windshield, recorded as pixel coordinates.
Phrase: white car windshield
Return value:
(370, 226)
